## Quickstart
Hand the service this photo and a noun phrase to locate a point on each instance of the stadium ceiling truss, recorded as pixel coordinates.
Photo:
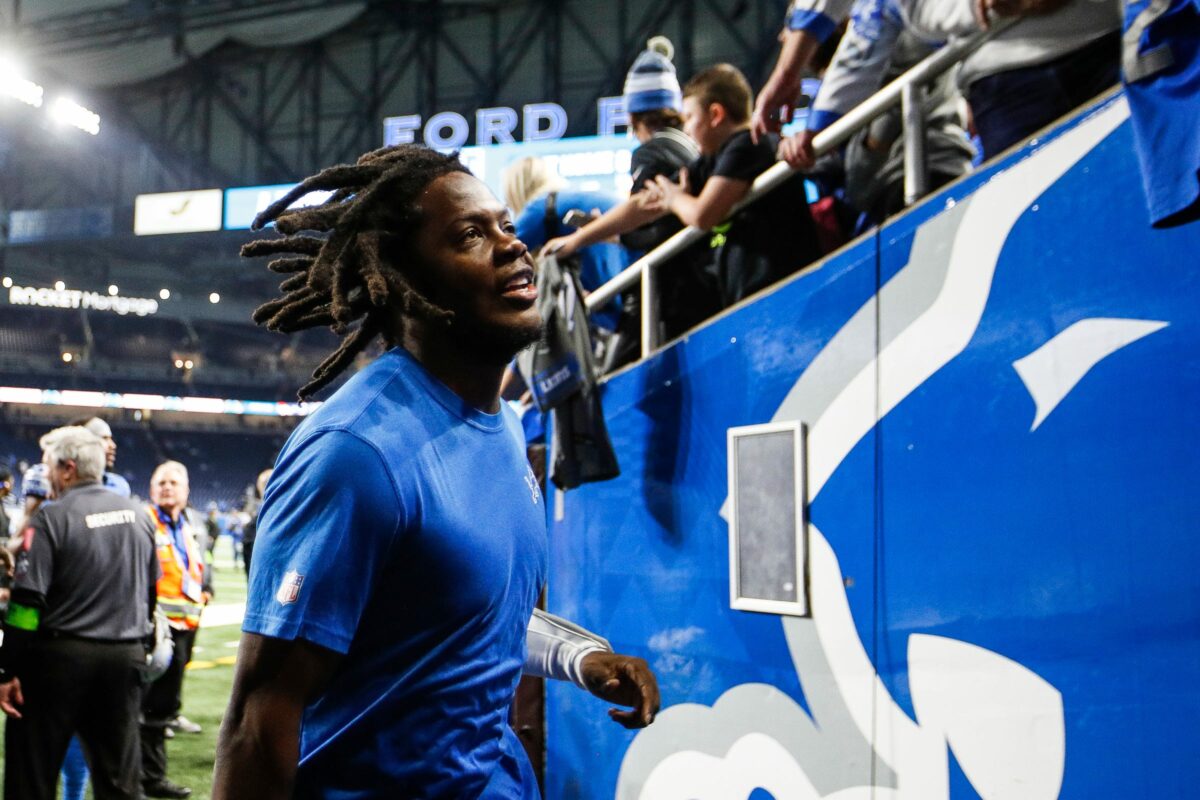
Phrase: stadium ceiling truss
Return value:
(241, 115)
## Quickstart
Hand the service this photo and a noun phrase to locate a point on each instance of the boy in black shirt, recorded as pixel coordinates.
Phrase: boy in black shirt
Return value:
(759, 245)
(762, 243)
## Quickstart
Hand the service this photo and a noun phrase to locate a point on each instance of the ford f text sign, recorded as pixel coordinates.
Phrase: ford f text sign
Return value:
(539, 122)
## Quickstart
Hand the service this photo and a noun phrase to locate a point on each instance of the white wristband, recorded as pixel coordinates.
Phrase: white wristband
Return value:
(555, 648)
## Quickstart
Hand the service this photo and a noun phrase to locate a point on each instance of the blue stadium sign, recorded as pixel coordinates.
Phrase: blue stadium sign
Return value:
(539, 122)
(243, 204)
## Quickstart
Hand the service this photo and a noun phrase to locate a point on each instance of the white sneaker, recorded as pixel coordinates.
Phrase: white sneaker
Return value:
(185, 725)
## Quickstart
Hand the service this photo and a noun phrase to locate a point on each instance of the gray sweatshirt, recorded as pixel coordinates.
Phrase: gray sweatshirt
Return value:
(1033, 40)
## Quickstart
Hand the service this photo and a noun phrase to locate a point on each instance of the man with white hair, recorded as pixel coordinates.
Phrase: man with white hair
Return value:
(35, 487)
(182, 594)
(75, 631)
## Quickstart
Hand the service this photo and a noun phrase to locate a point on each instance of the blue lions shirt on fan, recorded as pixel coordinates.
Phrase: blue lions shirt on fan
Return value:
(404, 529)
(1161, 66)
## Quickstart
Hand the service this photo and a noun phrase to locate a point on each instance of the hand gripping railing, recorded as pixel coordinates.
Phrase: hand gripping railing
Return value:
(906, 89)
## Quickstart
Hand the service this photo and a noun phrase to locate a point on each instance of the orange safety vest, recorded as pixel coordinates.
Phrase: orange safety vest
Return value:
(179, 588)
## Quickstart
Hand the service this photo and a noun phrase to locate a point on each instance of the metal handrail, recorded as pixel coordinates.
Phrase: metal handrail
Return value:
(827, 140)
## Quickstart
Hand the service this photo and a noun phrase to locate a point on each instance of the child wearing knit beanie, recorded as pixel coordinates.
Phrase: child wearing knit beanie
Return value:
(651, 83)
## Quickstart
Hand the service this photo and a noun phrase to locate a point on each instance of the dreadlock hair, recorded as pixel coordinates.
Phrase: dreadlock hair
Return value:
(347, 273)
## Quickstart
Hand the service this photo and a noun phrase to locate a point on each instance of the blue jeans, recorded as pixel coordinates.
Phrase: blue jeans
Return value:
(1009, 106)
(74, 772)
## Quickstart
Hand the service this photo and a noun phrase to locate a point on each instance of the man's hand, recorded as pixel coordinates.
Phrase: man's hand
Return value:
(651, 199)
(775, 103)
(11, 697)
(624, 680)
(797, 150)
(774, 106)
(659, 196)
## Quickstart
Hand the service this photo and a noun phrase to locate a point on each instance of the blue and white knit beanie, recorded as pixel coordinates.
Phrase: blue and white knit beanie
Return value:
(651, 83)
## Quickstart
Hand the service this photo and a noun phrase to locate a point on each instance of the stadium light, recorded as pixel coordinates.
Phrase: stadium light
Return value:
(67, 358)
(68, 111)
(214, 298)
(164, 294)
(16, 86)
(113, 290)
(179, 363)
(189, 364)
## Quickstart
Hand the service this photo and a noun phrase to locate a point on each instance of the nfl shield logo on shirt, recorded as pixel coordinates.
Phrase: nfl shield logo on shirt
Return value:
(289, 587)
(531, 482)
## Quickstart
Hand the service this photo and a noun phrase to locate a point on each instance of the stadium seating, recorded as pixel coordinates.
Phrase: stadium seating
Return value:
(220, 464)
(38, 332)
(148, 340)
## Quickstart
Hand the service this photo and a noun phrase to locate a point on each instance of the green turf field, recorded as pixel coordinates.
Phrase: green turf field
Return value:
(206, 687)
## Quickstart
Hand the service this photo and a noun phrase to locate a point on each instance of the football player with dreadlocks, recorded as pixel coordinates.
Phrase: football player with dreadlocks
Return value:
(402, 539)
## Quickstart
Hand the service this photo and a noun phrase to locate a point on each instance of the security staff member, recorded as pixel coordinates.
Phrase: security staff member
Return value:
(75, 631)
(74, 771)
(182, 594)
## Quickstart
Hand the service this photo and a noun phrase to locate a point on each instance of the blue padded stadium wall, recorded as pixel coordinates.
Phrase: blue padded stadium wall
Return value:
(1000, 391)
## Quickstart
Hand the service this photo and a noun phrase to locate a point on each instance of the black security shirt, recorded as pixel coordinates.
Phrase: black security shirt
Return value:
(88, 562)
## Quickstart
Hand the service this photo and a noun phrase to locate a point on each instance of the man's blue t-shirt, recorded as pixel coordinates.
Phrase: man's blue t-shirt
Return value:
(405, 529)
(116, 484)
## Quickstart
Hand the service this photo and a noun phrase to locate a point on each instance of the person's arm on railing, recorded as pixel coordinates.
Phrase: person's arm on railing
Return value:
(834, 136)
(626, 216)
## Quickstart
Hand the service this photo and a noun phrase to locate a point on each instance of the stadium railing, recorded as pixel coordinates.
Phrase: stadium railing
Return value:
(905, 90)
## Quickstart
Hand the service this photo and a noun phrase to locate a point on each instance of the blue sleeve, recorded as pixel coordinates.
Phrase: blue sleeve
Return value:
(860, 63)
(586, 201)
(817, 18)
(117, 484)
(813, 22)
(328, 521)
(531, 223)
(820, 119)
